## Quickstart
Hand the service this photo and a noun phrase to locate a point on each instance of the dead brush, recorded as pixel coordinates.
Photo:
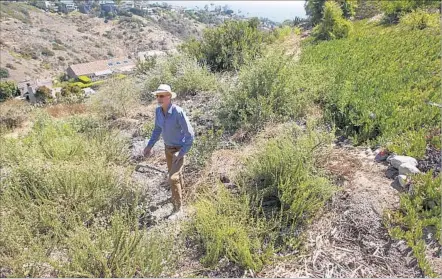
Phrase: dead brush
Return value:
(61, 110)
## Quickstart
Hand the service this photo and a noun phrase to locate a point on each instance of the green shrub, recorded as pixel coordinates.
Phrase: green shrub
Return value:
(393, 10)
(183, 74)
(43, 94)
(420, 19)
(203, 148)
(84, 79)
(332, 25)
(8, 89)
(116, 98)
(269, 89)
(240, 227)
(4, 73)
(228, 46)
(67, 210)
(315, 9)
(377, 83)
(71, 93)
(419, 209)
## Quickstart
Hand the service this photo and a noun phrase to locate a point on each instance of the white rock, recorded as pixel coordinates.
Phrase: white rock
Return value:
(407, 168)
(402, 180)
(396, 161)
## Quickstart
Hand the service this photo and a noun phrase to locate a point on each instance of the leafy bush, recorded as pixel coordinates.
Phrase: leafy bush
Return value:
(203, 148)
(332, 25)
(4, 73)
(116, 98)
(420, 19)
(242, 227)
(269, 89)
(228, 46)
(393, 10)
(315, 9)
(377, 83)
(43, 94)
(419, 209)
(84, 79)
(12, 114)
(143, 67)
(68, 210)
(183, 74)
(8, 89)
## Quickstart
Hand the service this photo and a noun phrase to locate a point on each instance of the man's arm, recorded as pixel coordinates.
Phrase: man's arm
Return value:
(155, 136)
(188, 133)
(155, 133)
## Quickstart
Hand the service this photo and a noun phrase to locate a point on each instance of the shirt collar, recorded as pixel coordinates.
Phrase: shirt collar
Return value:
(169, 110)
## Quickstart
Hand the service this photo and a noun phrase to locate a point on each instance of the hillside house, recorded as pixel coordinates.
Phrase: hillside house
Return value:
(67, 6)
(126, 5)
(102, 68)
(47, 6)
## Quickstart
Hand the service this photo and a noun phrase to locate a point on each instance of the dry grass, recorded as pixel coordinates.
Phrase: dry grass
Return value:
(62, 110)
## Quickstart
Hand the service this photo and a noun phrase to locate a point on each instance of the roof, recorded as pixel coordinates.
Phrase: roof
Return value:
(102, 66)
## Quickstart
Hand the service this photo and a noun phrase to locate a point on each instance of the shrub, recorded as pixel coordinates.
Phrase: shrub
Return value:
(8, 89)
(47, 52)
(420, 19)
(116, 98)
(203, 148)
(67, 215)
(242, 226)
(56, 46)
(71, 93)
(393, 10)
(10, 66)
(43, 94)
(12, 114)
(4, 73)
(228, 46)
(184, 75)
(419, 209)
(84, 79)
(315, 9)
(332, 25)
(269, 89)
(148, 64)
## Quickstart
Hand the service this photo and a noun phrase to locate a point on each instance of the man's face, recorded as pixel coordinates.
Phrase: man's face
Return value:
(163, 99)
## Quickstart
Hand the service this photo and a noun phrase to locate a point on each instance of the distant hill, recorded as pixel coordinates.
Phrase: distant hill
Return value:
(40, 45)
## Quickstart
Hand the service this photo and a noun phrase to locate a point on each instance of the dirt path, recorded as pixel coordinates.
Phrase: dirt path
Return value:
(349, 239)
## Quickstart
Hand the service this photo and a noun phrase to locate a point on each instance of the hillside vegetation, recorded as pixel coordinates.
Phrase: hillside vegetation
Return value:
(74, 202)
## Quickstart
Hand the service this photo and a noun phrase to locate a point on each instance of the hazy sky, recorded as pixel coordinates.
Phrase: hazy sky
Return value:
(274, 10)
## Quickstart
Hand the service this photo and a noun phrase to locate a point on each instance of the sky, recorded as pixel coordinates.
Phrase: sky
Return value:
(274, 10)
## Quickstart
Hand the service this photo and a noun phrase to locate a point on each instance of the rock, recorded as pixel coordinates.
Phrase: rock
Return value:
(402, 180)
(391, 172)
(396, 161)
(408, 168)
(223, 178)
(380, 155)
(368, 151)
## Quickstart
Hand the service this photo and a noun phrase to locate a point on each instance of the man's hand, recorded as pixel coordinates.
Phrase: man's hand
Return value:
(147, 152)
(176, 157)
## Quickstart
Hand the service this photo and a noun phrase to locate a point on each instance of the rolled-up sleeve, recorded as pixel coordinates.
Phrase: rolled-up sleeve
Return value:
(189, 134)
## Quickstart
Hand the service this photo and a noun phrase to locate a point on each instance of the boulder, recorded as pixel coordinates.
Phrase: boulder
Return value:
(396, 161)
(408, 168)
(402, 180)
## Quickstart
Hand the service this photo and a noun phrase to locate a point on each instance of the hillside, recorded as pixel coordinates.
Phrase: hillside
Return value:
(40, 45)
(314, 156)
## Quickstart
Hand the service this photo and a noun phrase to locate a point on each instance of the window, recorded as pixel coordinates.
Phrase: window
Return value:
(110, 64)
(125, 61)
(118, 63)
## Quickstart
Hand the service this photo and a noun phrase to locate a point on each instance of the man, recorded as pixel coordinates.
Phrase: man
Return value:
(178, 135)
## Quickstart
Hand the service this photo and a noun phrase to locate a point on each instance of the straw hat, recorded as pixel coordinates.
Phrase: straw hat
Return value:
(164, 88)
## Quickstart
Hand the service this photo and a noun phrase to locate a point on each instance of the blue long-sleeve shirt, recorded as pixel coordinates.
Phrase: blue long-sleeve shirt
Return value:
(175, 127)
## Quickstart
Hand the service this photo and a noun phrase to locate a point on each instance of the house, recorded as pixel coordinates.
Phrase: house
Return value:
(67, 6)
(126, 5)
(141, 5)
(108, 7)
(85, 7)
(102, 68)
(47, 6)
(142, 55)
